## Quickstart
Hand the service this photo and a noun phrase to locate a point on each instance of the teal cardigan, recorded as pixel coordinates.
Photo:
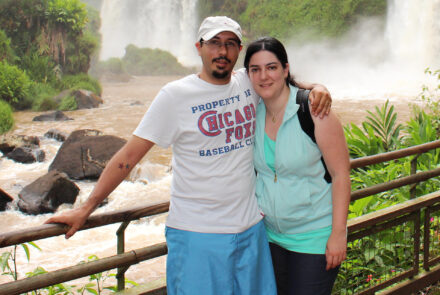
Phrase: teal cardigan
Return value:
(296, 198)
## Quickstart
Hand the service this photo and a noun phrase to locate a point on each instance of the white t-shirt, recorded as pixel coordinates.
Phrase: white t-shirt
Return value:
(211, 129)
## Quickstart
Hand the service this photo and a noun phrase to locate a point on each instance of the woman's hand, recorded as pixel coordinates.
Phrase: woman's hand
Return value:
(336, 250)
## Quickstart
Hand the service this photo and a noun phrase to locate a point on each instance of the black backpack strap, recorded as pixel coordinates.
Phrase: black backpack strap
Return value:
(306, 122)
(305, 119)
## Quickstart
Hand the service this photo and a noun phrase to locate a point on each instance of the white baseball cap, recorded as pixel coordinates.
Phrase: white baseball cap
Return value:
(213, 25)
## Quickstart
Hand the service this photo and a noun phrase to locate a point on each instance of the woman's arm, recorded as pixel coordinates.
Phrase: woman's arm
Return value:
(331, 141)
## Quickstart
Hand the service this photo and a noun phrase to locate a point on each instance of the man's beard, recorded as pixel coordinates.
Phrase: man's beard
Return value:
(220, 75)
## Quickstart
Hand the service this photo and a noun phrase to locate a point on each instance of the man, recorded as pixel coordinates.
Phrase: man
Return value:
(215, 236)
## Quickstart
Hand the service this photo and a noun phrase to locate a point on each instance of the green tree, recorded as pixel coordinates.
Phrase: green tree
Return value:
(6, 52)
(6, 118)
(14, 85)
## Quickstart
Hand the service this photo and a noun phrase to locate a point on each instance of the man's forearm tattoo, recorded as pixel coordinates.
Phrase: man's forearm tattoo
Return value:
(121, 166)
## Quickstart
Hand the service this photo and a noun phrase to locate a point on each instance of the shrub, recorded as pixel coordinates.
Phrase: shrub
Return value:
(147, 61)
(43, 93)
(6, 52)
(81, 81)
(113, 65)
(68, 103)
(6, 118)
(14, 85)
(39, 68)
(45, 104)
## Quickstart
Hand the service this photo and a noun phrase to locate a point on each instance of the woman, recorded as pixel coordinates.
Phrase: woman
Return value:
(305, 214)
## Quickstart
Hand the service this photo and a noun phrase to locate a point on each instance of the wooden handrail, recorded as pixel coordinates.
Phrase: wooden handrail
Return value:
(381, 215)
(382, 187)
(96, 220)
(82, 270)
(384, 157)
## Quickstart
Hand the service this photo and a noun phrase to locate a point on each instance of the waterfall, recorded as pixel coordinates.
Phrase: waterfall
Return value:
(166, 24)
(413, 31)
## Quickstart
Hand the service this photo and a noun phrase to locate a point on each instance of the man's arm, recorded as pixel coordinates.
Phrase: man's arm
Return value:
(320, 98)
(113, 174)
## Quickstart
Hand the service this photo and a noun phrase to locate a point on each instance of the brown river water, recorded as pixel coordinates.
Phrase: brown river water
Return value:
(124, 105)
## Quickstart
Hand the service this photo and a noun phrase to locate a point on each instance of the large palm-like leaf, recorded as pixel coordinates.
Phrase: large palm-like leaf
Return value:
(383, 122)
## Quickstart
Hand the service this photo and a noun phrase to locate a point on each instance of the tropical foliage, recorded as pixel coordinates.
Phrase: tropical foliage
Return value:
(6, 118)
(43, 43)
(286, 18)
(141, 61)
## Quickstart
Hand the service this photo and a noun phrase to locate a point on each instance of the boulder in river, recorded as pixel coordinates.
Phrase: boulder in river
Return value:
(9, 142)
(52, 116)
(47, 193)
(26, 154)
(85, 153)
(56, 134)
(86, 99)
(5, 198)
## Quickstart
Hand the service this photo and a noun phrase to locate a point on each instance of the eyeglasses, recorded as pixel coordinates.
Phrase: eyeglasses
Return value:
(216, 44)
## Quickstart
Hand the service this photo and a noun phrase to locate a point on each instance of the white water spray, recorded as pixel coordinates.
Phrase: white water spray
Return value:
(413, 31)
(166, 24)
(376, 60)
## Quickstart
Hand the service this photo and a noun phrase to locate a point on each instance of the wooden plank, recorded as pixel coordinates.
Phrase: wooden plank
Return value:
(384, 157)
(382, 215)
(96, 220)
(415, 284)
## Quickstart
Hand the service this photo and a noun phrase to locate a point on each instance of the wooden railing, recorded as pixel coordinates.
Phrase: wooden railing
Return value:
(405, 213)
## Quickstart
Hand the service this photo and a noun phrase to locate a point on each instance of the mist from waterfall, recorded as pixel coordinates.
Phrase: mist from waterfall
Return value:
(379, 58)
(166, 24)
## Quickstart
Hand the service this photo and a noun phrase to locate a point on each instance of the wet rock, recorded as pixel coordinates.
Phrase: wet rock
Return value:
(85, 153)
(5, 198)
(26, 154)
(9, 142)
(86, 99)
(47, 193)
(53, 116)
(56, 134)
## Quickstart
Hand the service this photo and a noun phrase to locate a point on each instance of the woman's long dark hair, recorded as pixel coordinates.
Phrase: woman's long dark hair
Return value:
(273, 45)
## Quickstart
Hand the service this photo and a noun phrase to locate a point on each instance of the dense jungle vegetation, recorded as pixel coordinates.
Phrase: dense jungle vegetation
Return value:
(46, 46)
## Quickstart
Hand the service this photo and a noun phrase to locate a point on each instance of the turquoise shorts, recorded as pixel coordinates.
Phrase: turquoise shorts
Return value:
(223, 264)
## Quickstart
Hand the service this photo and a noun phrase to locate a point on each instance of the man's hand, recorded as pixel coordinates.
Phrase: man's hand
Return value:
(75, 219)
(321, 100)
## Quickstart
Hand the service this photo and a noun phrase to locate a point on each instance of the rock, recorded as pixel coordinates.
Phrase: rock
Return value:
(86, 99)
(5, 198)
(53, 116)
(56, 134)
(9, 142)
(85, 153)
(47, 193)
(26, 154)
